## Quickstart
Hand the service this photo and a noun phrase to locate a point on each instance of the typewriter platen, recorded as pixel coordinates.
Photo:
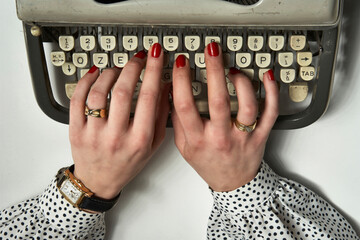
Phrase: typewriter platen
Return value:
(297, 39)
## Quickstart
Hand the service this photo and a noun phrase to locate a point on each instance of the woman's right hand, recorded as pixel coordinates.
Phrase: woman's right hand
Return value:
(225, 157)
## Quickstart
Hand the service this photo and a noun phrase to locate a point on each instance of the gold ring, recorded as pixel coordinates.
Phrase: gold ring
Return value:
(98, 113)
(244, 128)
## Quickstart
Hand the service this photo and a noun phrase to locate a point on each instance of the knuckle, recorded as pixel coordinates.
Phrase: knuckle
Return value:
(148, 95)
(222, 143)
(220, 103)
(96, 95)
(121, 93)
(183, 106)
(141, 144)
(249, 109)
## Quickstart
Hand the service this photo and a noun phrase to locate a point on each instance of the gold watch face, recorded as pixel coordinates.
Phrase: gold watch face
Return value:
(71, 192)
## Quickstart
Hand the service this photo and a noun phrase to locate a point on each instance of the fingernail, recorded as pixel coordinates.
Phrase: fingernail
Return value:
(271, 75)
(180, 61)
(233, 70)
(156, 50)
(213, 49)
(92, 69)
(141, 54)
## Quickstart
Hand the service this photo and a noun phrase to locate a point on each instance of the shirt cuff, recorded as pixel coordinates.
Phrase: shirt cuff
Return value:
(67, 218)
(249, 196)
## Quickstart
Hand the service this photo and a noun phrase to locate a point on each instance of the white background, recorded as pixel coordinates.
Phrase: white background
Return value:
(168, 200)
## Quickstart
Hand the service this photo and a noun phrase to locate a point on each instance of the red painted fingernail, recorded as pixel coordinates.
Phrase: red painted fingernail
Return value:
(92, 69)
(156, 50)
(271, 75)
(213, 49)
(233, 70)
(180, 61)
(141, 54)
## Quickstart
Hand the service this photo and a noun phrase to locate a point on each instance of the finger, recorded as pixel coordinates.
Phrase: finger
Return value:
(162, 116)
(78, 100)
(122, 94)
(248, 107)
(183, 97)
(145, 112)
(179, 133)
(271, 111)
(218, 97)
(98, 95)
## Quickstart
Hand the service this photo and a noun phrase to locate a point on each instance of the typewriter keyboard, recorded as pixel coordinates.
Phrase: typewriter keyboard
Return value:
(293, 55)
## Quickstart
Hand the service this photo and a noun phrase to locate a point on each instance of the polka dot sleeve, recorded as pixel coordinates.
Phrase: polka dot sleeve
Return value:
(50, 216)
(271, 207)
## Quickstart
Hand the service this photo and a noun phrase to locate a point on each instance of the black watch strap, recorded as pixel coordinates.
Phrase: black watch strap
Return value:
(97, 204)
(87, 203)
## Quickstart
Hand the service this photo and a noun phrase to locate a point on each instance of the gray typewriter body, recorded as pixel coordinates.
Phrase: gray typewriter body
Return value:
(297, 39)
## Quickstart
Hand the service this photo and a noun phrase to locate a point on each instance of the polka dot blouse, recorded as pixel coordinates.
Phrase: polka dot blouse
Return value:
(269, 207)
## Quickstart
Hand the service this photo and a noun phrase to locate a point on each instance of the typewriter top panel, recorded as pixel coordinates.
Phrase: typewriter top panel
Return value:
(185, 12)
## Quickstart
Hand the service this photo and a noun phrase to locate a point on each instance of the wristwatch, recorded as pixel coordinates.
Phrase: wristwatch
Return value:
(75, 192)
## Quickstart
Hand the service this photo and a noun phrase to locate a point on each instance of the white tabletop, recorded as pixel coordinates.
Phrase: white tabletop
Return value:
(168, 200)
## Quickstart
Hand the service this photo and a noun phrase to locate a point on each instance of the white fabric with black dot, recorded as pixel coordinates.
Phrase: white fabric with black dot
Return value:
(50, 216)
(271, 207)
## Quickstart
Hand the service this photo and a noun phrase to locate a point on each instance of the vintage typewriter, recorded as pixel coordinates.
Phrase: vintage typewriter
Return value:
(297, 39)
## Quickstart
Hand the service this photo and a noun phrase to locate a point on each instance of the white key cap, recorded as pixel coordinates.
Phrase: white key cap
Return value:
(185, 54)
(276, 42)
(231, 89)
(108, 43)
(87, 42)
(243, 60)
(196, 88)
(192, 43)
(130, 43)
(66, 43)
(57, 58)
(171, 43)
(209, 39)
(167, 75)
(255, 43)
(200, 60)
(80, 60)
(297, 42)
(148, 41)
(120, 59)
(100, 60)
(261, 73)
(285, 59)
(249, 73)
(83, 72)
(263, 60)
(307, 73)
(298, 91)
(202, 76)
(68, 68)
(304, 59)
(234, 43)
(287, 75)
(70, 89)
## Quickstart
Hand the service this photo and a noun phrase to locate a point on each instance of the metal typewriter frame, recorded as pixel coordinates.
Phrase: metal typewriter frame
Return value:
(318, 106)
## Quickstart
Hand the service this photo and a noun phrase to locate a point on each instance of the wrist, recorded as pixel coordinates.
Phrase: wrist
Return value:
(100, 188)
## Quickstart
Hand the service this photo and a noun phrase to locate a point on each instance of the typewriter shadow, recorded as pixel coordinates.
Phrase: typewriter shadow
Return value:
(348, 51)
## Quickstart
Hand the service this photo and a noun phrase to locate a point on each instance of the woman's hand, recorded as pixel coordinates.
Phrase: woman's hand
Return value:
(225, 157)
(108, 152)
